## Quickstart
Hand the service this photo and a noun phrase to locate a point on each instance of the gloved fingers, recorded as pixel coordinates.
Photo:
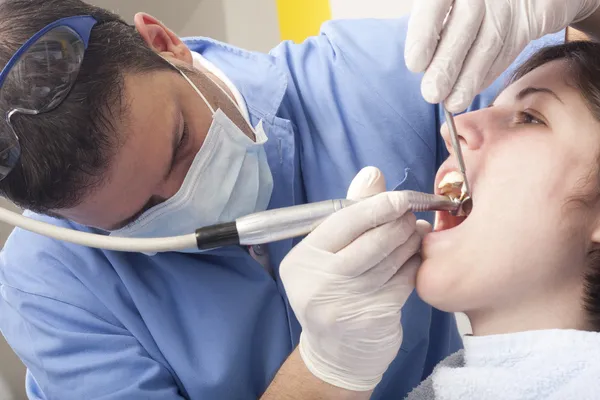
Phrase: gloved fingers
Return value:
(587, 8)
(394, 263)
(402, 284)
(458, 35)
(423, 227)
(478, 64)
(424, 27)
(301, 266)
(345, 226)
(503, 60)
(375, 246)
(368, 182)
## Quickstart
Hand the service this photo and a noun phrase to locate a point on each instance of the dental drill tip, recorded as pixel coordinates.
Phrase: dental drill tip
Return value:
(463, 207)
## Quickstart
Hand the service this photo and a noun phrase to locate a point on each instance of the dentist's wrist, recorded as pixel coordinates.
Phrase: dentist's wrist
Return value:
(335, 371)
(295, 382)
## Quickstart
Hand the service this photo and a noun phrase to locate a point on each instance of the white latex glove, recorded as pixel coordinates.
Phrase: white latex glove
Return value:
(347, 282)
(480, 39)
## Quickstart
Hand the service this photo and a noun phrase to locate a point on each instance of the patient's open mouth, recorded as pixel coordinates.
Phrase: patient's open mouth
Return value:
(451, 185)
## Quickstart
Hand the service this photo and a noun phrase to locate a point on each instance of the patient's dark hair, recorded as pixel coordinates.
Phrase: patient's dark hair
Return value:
(583, 72)
(65, 152)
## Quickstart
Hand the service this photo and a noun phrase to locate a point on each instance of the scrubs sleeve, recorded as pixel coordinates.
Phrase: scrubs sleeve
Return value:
(373, 51)
(357, 98)
(351, 82)
(354, 103)
(73, 354)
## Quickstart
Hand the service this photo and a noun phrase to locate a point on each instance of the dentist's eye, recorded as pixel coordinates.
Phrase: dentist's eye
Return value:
(524, 117)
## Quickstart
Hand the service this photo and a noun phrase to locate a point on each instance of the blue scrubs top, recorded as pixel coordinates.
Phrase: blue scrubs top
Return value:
(92, 324)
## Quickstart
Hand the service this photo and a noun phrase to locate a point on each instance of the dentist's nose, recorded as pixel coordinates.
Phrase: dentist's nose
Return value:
(468, 130)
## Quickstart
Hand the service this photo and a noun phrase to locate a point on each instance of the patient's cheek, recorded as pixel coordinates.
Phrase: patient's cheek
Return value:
(436, 285)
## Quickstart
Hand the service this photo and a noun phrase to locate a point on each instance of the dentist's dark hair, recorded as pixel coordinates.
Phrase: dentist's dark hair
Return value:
(583, 73)
(65, 152)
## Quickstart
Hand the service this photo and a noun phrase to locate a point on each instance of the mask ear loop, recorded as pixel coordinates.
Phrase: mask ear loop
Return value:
(226, 94)
(212, 110)
(197, 91)
(193, 85)
(235, 104)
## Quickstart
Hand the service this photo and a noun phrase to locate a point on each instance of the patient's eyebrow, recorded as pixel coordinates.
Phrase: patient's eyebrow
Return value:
(533, 90)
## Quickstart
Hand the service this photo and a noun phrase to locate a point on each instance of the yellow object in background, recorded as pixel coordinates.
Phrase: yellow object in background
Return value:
(299, 19)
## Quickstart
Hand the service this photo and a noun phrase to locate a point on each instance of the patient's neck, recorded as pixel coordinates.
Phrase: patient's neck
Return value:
(555, 311)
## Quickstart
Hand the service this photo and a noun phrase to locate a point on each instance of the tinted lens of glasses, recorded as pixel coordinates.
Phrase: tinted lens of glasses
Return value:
(45, 73)
(39, 81)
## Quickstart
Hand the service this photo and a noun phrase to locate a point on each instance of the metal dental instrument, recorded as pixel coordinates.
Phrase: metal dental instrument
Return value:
(465, 198)
(289, 222)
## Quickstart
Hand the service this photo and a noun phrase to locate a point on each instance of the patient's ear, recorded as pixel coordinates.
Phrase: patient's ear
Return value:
(161, 39)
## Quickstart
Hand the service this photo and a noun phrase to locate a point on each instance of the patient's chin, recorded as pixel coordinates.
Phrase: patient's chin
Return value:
(438, 286)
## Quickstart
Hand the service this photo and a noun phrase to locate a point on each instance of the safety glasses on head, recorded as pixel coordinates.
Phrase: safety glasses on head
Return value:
(39, 76)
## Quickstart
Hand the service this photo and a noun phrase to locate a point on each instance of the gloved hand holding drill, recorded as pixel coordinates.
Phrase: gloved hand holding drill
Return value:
(348, 280)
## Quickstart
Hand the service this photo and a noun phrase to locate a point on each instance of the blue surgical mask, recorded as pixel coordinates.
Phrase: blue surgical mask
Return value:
(229, 178)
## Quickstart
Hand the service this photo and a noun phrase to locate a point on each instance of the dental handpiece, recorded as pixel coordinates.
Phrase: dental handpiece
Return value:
(290, 222)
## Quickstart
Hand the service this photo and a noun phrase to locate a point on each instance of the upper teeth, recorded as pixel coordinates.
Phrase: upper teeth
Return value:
(451, 184)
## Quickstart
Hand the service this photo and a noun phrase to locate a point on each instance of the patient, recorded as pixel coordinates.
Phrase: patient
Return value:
(525, 265)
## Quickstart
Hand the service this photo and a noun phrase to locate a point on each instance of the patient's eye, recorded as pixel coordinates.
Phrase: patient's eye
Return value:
(524, 117)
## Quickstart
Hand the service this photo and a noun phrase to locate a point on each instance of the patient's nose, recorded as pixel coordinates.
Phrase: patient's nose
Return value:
(468, 129)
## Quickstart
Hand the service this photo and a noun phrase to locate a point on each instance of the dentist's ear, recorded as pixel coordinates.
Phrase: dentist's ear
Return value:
(161, 39)
(596, 234)
(595, 227)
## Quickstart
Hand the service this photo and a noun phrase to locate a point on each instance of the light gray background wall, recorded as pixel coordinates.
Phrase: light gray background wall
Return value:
(251, 24)
(12, 372)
